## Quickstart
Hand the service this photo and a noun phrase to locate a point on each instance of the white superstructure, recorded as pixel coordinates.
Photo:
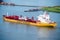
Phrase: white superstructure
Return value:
(45, 18)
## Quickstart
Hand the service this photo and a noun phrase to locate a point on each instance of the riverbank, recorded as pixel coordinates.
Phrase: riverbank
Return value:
(52, 9)
(5, 3)
(13, 4)
(44, 8)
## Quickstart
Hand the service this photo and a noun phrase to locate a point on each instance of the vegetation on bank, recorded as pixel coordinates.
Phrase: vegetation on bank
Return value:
(52, 9)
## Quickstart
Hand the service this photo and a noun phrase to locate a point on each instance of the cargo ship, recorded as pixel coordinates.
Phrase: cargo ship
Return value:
(41, 22)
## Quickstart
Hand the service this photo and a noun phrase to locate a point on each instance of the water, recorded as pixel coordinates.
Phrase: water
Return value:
(13, 31)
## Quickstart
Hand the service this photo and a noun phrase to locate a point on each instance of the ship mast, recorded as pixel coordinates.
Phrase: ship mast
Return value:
(7, 13)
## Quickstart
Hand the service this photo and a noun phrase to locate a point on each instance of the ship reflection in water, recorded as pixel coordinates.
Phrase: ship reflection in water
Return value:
(31, 32)
(15, 31)
(46, 34)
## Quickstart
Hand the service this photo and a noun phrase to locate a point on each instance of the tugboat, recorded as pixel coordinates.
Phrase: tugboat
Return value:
(42, 21)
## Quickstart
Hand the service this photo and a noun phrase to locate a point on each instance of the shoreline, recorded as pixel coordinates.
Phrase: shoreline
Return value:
(4, 3)
(44, 8)
(13, 4)
(52, 9)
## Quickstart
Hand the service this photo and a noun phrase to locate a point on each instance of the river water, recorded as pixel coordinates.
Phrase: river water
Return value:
(13, 31)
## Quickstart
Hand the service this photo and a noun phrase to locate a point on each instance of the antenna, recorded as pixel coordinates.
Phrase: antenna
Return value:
(7, 13)
(45, 12)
